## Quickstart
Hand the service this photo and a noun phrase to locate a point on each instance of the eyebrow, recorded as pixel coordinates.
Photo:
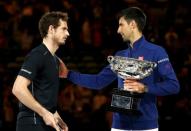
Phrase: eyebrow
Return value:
(65, 28)
(120, 23)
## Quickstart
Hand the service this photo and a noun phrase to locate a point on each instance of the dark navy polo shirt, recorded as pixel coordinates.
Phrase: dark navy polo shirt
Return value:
(41, 67)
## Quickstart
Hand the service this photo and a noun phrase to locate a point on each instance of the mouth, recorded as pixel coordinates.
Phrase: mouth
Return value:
(64, 39)
(122, 36)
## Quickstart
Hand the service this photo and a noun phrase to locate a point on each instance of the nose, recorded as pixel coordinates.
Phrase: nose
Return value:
(118, 30)
(67, 33)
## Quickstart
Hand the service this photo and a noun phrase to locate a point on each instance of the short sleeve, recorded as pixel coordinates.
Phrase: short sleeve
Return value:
(31, 65)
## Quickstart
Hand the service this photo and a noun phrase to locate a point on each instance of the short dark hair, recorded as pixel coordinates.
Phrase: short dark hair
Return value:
(136, 14)
(51, 18)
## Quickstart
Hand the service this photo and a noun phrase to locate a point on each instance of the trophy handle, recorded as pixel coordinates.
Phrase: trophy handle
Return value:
(110, 59)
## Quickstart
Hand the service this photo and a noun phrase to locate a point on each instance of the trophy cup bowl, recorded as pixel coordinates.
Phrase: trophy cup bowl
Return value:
(128, 68)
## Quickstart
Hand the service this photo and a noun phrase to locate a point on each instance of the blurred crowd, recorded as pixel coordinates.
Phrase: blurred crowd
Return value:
(93, 36)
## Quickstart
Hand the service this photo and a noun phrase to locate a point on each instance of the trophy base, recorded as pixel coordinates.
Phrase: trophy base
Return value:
(125, 102)
(124, 111)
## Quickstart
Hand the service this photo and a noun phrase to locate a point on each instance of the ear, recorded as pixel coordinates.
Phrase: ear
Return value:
(51, 29)
(133, 24)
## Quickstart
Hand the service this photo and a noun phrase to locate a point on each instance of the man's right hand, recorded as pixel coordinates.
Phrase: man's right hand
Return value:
(49, 119)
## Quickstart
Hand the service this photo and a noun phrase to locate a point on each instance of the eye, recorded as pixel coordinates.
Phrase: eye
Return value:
(64, 29)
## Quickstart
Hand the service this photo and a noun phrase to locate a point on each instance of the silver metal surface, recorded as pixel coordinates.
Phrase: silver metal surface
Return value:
(130, 68)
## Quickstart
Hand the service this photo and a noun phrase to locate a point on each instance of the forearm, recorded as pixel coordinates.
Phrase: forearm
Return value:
(20, 90)
(168, 87)
(28, 100)
(92, 81)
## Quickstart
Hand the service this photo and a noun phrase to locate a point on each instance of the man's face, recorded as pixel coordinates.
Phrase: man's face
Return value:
(124, 29)
(61, 33)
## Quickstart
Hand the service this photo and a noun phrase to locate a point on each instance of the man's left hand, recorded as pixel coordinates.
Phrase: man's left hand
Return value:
(134, 86)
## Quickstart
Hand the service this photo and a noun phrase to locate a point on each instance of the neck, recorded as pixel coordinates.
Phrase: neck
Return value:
(136, 36)
(52, 46)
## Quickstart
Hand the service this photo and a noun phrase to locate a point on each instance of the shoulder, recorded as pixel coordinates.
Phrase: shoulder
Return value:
(159, 53)
(37, 56)
(37, 52)
(156, 49)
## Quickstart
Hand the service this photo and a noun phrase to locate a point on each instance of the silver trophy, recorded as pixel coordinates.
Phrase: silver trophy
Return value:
(128, 68)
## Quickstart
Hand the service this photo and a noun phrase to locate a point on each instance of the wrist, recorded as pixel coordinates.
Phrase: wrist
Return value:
(146, 88)
(68, 73)
(42, 112)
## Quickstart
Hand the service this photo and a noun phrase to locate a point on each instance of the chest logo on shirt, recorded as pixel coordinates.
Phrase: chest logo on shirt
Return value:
(140, 58)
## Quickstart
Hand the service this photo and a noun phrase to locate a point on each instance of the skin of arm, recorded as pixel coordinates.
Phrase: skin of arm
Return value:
(21, 91)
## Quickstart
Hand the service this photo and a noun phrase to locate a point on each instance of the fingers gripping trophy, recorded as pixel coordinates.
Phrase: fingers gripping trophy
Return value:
(128, 68)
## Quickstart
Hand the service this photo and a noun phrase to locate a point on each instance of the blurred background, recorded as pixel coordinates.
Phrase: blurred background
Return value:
(93, 36)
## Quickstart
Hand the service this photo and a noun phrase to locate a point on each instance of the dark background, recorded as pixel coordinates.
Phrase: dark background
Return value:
(93, 36)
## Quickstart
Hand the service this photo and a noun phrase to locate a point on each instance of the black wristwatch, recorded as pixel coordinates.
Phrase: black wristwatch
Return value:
(146, 88)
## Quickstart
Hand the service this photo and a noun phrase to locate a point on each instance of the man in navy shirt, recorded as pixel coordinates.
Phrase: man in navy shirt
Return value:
(37, 83)
(161, 82)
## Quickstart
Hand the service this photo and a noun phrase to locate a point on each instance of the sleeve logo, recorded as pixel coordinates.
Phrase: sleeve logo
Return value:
(163, 60)
(24, 70)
